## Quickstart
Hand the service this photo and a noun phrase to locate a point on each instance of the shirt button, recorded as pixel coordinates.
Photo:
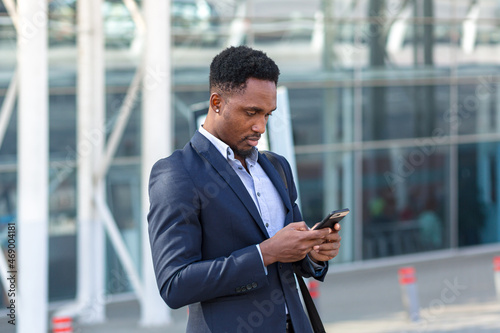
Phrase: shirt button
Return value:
(240, 168)
(267, 225)
(258, 194)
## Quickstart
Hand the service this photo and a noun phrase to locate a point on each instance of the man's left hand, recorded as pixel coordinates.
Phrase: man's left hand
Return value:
(330, 248)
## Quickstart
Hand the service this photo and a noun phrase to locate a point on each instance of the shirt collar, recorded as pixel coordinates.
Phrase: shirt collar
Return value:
(225, 150)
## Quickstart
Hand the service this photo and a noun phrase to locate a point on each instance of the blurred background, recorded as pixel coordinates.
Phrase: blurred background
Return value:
(395, 113)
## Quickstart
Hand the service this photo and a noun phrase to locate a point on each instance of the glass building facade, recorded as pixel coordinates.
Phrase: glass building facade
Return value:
(395, 111)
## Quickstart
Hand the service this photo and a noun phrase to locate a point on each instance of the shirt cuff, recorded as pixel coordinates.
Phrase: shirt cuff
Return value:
(262, 258)
(317, 269)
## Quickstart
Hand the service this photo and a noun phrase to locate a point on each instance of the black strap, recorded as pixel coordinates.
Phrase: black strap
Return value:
(313, 314)
(277, 166)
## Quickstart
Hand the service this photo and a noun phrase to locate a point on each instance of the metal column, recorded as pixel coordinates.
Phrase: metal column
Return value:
(157, 138)
(91, 134)
(32, 187)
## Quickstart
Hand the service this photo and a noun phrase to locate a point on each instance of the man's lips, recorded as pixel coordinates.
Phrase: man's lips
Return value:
(253, 140)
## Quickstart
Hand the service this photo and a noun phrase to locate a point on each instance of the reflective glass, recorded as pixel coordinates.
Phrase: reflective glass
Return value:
(124, 197)
(478, 193)
(405, 111)
(322, 115)
(405, 201)
(478, 104)
(62, 230)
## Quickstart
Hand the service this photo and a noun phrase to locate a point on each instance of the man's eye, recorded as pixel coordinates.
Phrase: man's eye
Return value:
(251, 113)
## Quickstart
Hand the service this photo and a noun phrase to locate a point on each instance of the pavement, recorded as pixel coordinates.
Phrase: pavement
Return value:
(456, 293)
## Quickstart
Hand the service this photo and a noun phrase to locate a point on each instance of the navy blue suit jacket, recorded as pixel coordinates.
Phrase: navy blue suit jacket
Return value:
(203, 229)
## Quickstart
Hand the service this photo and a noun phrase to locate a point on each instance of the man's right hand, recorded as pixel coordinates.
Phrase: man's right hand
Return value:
(292, 243)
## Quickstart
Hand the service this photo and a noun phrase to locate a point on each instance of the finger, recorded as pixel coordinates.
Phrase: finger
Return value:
(320, 233)
(335, 237)
(326, 248)
(337, 227)
(298, 226)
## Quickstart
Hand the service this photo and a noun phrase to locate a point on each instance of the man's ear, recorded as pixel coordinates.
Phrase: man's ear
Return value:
(215, 101)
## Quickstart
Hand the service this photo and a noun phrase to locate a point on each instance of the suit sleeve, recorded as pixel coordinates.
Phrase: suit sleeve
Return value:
(175, 233)
(304, 267)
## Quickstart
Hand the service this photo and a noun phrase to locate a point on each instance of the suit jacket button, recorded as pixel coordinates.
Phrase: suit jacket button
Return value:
(238, 290)
(249, 286)
(254, 284)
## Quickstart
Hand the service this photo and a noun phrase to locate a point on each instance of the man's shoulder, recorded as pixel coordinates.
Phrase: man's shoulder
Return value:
(176, 159)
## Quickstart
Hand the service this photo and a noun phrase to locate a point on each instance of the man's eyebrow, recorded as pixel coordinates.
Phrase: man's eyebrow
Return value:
(258, 109)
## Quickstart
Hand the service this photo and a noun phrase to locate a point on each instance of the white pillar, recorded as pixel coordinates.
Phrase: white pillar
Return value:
(331, 164)
(157, 138)
(347, 253)
(32, 210)
(90, 140)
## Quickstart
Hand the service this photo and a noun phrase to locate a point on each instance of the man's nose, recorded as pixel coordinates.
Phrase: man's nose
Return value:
(260, 125)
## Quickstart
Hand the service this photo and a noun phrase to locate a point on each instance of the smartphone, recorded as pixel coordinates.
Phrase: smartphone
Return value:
(332, 218)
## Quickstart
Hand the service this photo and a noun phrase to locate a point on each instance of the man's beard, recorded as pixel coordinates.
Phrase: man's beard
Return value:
(242, 153)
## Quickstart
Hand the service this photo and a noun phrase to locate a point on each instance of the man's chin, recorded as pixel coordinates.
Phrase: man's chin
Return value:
(243, 152)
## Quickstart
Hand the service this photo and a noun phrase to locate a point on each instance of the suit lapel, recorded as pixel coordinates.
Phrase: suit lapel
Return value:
(205, 149)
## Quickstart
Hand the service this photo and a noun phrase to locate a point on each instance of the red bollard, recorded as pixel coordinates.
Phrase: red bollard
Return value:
(313, 287)
(409, 292)
(62, 325)
(496, 272)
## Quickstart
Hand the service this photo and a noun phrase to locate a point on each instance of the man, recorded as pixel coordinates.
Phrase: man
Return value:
(225, 230)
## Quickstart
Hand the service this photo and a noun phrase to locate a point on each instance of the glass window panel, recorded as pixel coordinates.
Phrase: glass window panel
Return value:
(398, 112)
(62, 23)
(322, 115)
(62, 125)
(477, 42)
(404, 201)
(478, 167)
(479, 104)
(130, 142)
(326, 183)
(8, 149)
(62, 231)
(124, 197)
(323, 178)
(8, 198)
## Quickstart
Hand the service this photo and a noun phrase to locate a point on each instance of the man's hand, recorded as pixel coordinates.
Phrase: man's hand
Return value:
(293, 243)
(330, 247)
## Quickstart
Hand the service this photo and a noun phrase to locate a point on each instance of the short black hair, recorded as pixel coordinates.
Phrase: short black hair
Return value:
(230, 69)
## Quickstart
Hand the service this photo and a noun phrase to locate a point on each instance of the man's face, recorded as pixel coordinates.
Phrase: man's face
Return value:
(243, 116)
